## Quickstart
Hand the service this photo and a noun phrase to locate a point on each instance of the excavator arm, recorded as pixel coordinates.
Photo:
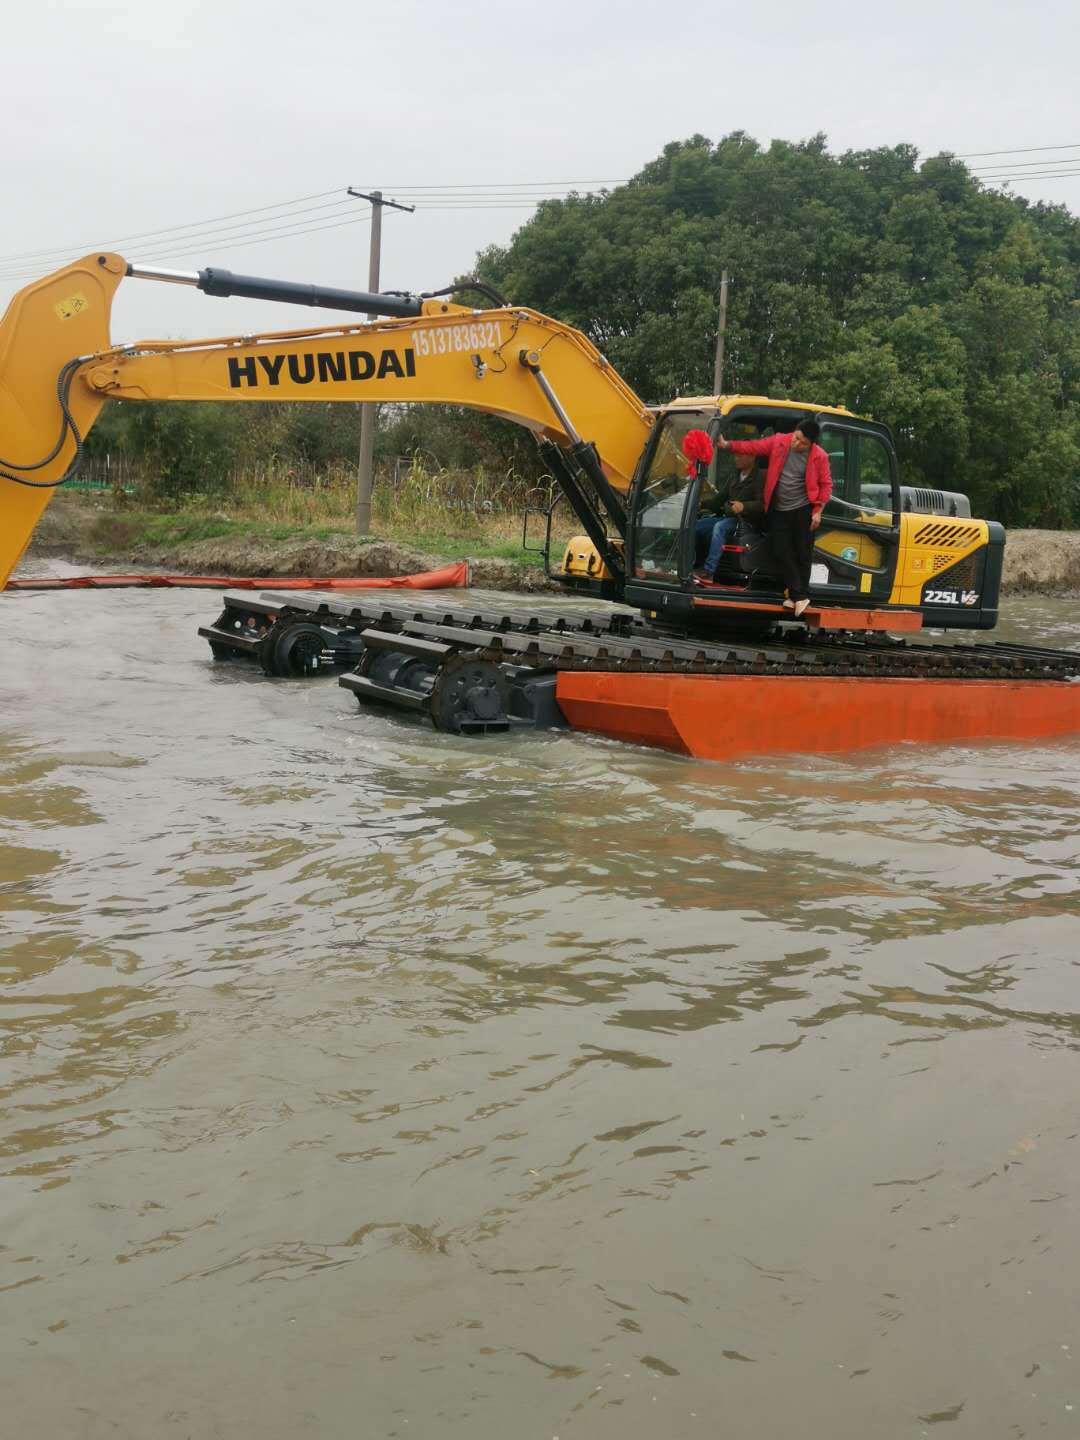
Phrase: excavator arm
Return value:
(58, 367)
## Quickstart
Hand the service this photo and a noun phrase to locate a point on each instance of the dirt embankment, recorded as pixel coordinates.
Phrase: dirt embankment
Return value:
(88, 535)
(1042, 562)
(331, 558)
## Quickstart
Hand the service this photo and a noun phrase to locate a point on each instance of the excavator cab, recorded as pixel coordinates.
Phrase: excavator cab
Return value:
(879, 546)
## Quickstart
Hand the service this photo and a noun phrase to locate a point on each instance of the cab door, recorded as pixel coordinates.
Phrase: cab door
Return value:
(856, 547)
(663, 502)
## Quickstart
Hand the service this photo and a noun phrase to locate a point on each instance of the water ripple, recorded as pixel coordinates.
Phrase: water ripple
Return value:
(348, 1064)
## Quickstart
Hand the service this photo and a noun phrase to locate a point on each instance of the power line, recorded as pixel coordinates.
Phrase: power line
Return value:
(221, 230)
(1030, 150)
(499, 188)
(521, 196)
(501, 205)
(260, 238)
(83, 249)
(505, 185)
(1032, 165)
(512, 196)
(477, 195)
(225, 238)
(1018, 179)
(160, 254)
(195, 244)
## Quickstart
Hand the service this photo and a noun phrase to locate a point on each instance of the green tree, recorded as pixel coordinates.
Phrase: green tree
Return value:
(906, 291)
(902, 288)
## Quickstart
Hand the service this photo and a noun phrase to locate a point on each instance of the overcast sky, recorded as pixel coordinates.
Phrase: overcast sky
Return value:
(144, 117)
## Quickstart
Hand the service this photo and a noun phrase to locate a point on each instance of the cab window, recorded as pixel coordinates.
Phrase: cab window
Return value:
(861, 469)
(835, 445)
(659, 528)
(874, 482)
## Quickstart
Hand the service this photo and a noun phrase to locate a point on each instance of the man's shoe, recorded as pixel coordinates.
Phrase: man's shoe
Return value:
(789, 604)
(800, 606)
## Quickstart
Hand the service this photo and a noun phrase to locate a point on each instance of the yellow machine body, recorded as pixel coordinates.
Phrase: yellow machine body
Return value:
(931, 545)
(58, 367)
(448, 354)
(868, 551)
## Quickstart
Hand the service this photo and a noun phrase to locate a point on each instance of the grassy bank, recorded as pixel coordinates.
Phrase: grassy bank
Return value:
(453, 515)
(267, 524)
(107, 534)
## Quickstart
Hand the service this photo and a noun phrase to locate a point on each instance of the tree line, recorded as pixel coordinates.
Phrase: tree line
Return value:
(903, 289)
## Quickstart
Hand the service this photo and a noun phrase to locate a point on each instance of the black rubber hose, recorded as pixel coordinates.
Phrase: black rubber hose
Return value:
(480, 286)
(63, 390)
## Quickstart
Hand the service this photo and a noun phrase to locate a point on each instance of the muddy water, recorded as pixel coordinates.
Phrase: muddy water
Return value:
(359, 1081)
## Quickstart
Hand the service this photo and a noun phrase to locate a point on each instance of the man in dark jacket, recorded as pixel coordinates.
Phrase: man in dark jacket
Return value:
(745, 501)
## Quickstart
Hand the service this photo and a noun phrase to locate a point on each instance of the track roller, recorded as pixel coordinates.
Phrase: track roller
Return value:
(286, 636)
(460, 690)
(296, 649)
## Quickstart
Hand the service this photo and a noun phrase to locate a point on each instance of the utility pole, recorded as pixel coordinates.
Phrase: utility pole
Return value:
(718, 372)
(364, 477)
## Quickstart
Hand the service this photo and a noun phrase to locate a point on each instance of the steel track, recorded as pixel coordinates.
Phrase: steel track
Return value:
(617, 641)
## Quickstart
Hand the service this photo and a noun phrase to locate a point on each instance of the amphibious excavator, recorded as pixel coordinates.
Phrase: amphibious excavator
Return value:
(709, 668)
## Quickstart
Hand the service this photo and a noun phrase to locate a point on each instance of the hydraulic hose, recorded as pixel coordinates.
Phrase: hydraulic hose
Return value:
(67, 423)
(480, 286)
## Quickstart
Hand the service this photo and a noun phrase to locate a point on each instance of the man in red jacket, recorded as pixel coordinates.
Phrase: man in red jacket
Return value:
(798, 482)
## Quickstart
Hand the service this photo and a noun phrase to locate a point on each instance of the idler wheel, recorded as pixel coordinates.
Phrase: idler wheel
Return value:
(294, 650)
(470, 697)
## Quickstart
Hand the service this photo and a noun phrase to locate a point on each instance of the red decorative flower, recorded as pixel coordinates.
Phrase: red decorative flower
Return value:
(698, 449)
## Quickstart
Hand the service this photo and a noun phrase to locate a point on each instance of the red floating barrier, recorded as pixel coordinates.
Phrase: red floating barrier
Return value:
(449, 577)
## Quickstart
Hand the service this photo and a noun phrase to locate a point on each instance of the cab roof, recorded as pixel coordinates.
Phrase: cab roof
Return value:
(726, 403)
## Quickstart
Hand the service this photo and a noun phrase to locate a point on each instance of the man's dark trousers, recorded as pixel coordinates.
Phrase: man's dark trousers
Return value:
(793, 548)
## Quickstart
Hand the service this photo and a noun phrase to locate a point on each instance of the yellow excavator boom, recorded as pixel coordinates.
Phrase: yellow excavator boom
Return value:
(57, 368)
(47, 327)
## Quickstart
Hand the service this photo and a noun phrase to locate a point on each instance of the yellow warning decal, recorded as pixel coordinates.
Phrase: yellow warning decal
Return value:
(72, 306)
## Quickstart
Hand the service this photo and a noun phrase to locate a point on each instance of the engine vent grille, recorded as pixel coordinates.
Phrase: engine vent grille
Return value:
(947, 534)
(962, 572)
